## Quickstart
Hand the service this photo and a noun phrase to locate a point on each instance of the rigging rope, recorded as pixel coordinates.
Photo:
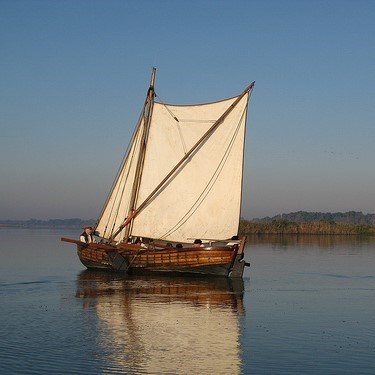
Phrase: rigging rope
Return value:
(178, 127)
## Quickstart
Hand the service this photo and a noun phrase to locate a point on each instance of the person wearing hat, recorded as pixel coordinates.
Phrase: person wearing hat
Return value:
(86, 236)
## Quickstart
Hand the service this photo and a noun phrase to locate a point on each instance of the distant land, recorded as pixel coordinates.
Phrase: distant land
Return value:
(301, 222)
(52, 223)
(351, 217)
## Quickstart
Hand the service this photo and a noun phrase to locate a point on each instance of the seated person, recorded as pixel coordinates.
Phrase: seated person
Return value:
(139, 241)
(87, 235)
(198, 243)
(234, 238)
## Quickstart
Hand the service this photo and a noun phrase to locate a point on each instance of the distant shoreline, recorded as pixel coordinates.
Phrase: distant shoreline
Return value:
(318, 223)
(317, 228)
(350, 223)
(48, 224)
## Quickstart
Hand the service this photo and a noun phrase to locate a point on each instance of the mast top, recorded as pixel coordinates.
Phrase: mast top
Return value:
(152, 81)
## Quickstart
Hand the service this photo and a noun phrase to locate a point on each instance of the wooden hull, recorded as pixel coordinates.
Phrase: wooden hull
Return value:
(215, 261)
(93, 258)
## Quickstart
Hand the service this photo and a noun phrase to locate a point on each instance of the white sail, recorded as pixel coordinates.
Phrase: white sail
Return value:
(118, 203)
(203, 197)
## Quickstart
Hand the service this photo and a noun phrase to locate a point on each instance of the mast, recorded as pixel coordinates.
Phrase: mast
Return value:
(138, 174)
(205, 136)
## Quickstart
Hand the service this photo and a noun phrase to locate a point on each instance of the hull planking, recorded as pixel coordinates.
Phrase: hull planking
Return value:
(214, 260)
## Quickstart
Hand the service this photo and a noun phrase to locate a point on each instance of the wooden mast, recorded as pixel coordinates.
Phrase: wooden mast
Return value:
(138, 173)
(187, 155)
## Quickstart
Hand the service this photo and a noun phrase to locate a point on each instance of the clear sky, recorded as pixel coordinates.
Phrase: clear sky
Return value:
(74, 74)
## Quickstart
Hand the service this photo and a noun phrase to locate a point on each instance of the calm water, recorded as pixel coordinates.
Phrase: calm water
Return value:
(306, 306)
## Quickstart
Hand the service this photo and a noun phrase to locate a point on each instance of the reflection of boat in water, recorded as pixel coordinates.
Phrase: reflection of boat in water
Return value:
(180, 182)
(166, 325)
(212, 291)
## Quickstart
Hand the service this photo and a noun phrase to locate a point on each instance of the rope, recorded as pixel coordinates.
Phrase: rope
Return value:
(178, 126)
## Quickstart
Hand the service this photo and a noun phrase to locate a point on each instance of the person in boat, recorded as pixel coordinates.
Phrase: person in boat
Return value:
(139, 241)
(234, 241)
(198, 243)
(87, 235)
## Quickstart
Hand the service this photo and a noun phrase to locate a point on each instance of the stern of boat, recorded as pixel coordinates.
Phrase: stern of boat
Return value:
(239, 263)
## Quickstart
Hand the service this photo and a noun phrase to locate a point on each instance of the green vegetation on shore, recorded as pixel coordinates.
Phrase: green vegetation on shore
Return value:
(322, 227)
(350, 217)
(321, 223)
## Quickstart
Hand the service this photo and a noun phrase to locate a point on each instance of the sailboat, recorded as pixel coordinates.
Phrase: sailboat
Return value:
(175, 204)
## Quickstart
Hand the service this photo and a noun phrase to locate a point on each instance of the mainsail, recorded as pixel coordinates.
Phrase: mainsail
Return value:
(202, 198)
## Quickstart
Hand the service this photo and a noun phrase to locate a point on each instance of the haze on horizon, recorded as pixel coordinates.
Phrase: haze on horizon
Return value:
(75, 73)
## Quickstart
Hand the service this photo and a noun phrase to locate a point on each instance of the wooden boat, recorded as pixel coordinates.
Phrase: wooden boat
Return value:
(175, 203)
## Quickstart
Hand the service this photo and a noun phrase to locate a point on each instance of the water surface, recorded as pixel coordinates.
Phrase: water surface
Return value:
(305, 306)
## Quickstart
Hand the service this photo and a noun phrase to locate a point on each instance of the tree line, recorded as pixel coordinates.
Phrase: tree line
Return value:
(322, 227)
(352, 217)
(51, 223)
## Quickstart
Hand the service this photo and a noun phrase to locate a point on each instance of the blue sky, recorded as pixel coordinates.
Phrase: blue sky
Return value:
(74, 74)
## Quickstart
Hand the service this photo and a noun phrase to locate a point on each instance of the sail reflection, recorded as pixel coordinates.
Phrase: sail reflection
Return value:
(165, 325)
